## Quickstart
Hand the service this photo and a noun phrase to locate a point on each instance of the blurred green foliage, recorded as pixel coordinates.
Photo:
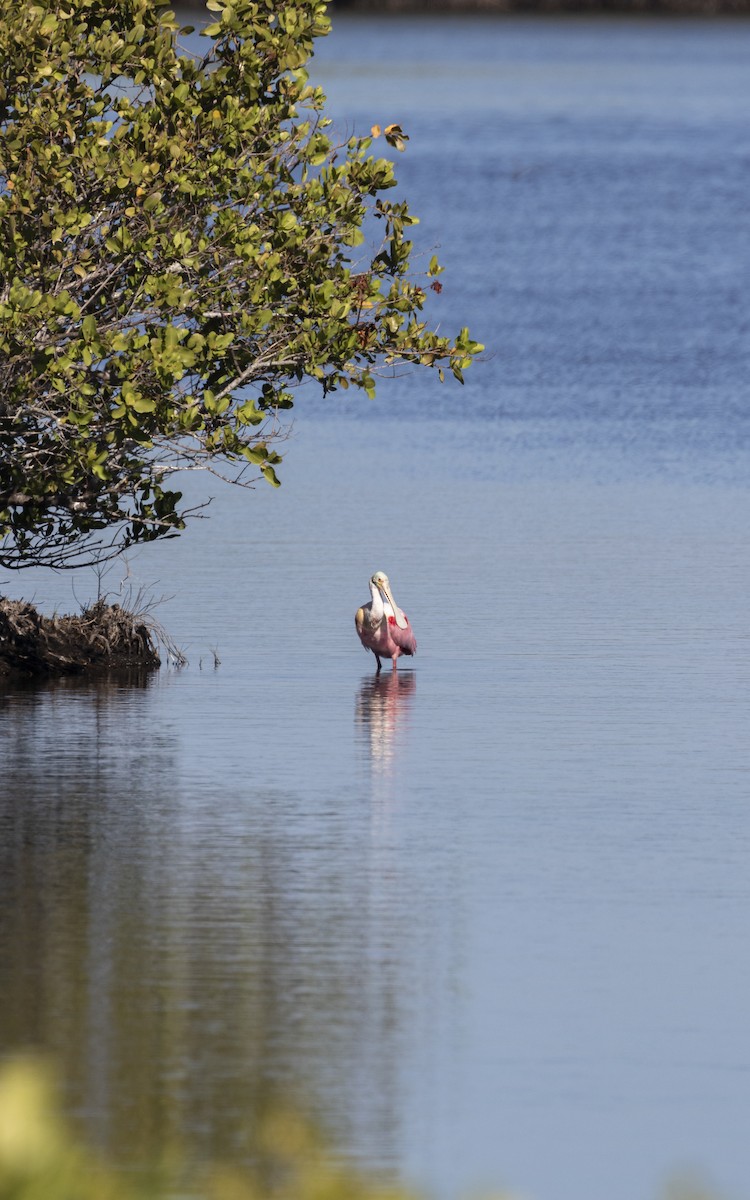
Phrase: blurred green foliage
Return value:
(41, 1160)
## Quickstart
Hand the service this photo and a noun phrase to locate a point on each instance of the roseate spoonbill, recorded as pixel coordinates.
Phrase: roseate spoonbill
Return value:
(382, 626)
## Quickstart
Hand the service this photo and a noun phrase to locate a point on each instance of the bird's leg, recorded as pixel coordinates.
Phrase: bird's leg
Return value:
(395, 661)
(380, 665)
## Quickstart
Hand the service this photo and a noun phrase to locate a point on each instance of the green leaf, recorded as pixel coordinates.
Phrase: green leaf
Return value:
(268, 473)
(143, 404)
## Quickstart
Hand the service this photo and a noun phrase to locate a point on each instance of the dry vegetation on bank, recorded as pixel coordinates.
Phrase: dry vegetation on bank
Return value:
(103, 637)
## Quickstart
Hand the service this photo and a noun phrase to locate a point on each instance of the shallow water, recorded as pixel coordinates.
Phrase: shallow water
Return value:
(488, 919)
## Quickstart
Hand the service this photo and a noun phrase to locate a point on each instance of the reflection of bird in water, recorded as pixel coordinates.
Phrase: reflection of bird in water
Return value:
(382, 626)
(381, 704)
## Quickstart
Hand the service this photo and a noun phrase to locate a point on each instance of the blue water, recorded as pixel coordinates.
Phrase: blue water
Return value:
(594, 174)
(489, 921)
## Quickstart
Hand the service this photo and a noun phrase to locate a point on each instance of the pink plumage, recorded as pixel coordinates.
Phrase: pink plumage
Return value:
(382, 626)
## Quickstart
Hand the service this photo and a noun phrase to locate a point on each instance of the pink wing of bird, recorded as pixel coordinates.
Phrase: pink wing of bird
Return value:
(404, 638)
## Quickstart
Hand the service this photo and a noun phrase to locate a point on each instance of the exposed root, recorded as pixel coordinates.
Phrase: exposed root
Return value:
(103, 637)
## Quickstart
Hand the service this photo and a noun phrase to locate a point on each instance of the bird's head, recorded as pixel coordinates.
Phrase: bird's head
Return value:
(381, 581)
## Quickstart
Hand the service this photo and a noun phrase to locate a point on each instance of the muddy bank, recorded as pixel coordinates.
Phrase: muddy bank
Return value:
(104, 637)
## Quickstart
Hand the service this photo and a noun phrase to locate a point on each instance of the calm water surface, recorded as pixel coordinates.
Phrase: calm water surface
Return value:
(489, 920)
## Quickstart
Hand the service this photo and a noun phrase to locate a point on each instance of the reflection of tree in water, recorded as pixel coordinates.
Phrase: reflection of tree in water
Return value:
(79, 837)
(188, 953)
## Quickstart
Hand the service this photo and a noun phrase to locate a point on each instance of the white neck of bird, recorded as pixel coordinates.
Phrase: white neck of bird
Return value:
(377, 611)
